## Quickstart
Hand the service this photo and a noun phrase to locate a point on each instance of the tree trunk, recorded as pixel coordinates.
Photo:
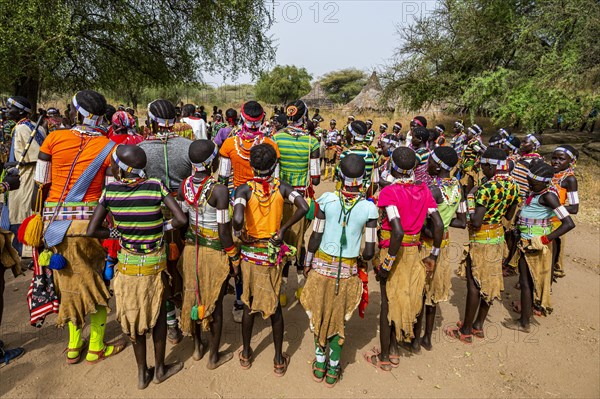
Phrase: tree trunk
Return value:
(28, 87)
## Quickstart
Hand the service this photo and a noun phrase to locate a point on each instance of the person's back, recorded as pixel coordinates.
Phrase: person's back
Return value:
(169, 153)
(198, 126)
(295, 147)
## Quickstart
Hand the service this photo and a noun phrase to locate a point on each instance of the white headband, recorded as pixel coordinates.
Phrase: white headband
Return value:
(160, 121)
(536, 142)
(357, 137)
(439, 129)
(475, 132)
(397, 125)
(127, 168)
(501, 141)
(503, 132)
(88, 118)
(498, 162)
(351, 181)
(201, 166)
(17, 104)
(458, 124)
(510, 145)
(399, 169)
(539, 178)
(566, 151)
(439, 161)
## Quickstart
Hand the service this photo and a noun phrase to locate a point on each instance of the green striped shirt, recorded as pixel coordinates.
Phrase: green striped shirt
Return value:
(371, 160)
(295, 147)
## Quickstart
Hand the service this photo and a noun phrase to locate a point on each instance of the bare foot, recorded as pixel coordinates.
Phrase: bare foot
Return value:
(167, 372)
(517, 325)
(415, 345)
(223, 357)
(198, 351)
(144, 377)
(426, 343)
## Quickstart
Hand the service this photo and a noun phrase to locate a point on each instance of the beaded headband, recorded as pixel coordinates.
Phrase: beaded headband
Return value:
(399, 169)
(439, 129)
(129, 169)
(265, 172)
(160, 121)
(369, 121)
(498, 162)
(497, 142)
(384, 125)
(566, 151)
(201, 166)
(474, 131)
(351, 181)
(503, 132)
(539, 178)
(417, 122)
(17, 104)
(438, 161)
(88, 118)
(389, 141)
(397, 125)
(510, 145)
(536, 142)
(357, 137)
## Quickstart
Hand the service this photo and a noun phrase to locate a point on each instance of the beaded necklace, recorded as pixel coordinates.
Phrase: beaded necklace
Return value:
(132, 181)
(452, 183)
(239, 142)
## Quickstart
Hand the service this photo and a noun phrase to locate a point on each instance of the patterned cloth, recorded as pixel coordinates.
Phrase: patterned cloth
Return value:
(458, 142)
(520, 170)
(471, 153)
(136, 209)
(295, 147)
(421, 169)
(497, 195)
(370, 137)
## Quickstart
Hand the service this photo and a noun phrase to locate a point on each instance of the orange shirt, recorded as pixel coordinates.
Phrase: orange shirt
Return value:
(238, 151)
(263, 215)
(63, 146)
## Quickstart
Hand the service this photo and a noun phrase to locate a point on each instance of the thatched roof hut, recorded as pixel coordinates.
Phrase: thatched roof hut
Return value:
(317, 98)
(370, 97)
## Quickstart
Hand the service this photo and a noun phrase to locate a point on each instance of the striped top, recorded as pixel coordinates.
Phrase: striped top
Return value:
(471, 153)
(295, 147)
(421, 169)
(371, 161)
(370, 137)
(136, 209)
(458, 143)
(519, 173)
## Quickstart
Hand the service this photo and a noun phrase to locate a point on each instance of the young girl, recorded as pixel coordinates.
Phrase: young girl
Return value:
(497, 198)
(453, 211)
(208, 245)
(528, 155)
(420, 135)
(258, 209)
(333, 289)
(537, 234)
(135, 204)
(565, 182)
(402, 273)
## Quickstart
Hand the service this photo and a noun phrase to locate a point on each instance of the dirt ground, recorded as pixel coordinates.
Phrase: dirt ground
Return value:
(559, 359)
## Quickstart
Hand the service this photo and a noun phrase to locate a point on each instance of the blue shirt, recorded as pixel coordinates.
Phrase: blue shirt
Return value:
(362, 212)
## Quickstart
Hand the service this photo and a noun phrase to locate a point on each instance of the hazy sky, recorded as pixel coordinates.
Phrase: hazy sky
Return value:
(323, 36)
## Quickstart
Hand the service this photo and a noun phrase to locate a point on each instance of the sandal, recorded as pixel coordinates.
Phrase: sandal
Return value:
(245, 363)
(454, 332)
(315, 368)
(372, 358)
(395, 364)
(477, 333)
(280, 369)
(75, 360)
(336, 377)
(516, 307)
(117, 348)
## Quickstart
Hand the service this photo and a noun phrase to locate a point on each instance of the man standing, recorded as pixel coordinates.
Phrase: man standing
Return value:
(198, 124)
(299, 159)
(18, 203)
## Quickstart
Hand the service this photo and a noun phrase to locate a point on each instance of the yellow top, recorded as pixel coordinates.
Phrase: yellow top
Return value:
(263, 212)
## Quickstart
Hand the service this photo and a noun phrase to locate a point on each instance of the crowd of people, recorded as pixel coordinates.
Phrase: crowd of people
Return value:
(163, 217)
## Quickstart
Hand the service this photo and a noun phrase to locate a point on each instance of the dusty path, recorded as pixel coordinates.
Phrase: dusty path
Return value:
(561, 358)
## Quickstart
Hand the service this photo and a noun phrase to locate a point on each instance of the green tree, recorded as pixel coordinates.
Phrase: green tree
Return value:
(343, 85)
(124, 45)
(282, 84)
(523, 62)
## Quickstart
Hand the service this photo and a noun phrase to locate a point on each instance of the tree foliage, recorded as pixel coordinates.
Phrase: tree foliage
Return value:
(343, 85)
(125, 45)
(523, 61)
(283, 84)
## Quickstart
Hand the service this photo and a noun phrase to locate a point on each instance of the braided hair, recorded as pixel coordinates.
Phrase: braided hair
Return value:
(162, 109)
(91, 101)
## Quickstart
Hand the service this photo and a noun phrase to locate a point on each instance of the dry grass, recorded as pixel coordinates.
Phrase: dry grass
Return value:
(588, 171)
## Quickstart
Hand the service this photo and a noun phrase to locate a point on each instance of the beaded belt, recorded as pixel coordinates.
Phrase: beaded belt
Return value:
(487, 232)
(205, 237)
(69, 210)
(131, 264)
(258, 255)
(445, 240)
(408, 240)
(534, 222)
(327, 265)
